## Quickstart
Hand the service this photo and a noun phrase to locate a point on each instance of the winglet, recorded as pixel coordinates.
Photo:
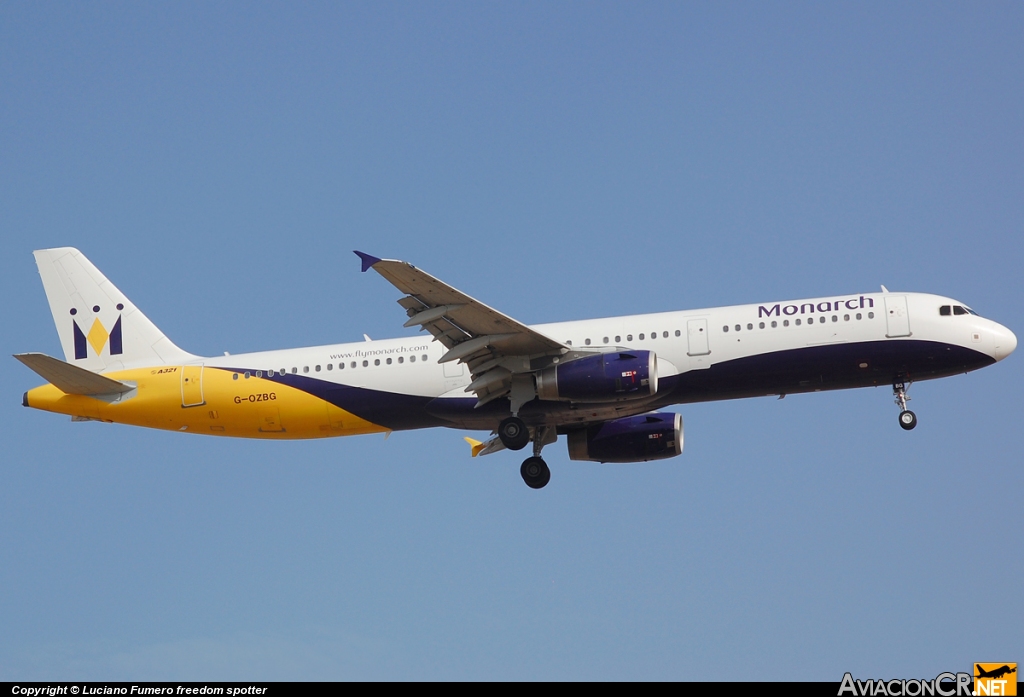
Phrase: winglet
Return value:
(475, 445)
(368, 261)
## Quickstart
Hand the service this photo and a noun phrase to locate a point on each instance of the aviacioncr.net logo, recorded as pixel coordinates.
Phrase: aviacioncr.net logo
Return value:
(943, 685)
(995, 679)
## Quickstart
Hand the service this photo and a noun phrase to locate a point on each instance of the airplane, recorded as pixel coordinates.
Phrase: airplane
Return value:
(995, 673)
(599, 382)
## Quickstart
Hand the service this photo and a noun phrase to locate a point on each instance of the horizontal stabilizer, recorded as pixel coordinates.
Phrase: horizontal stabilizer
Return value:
(71, 379)
(492, 445)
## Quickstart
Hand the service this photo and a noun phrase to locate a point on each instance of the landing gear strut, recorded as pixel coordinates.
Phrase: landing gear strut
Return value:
(908, 419)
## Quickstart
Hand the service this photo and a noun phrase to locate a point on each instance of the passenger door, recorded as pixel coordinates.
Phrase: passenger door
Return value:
(192, 386)
(897, 319)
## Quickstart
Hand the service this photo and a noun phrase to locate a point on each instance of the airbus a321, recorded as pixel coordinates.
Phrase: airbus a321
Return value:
(598, 382)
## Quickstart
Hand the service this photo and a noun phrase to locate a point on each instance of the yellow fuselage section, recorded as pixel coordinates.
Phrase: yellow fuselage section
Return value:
(208, 400)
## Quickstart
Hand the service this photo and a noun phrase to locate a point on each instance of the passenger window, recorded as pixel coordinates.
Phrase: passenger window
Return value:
(389, 361)
(871, 315)
(568, 343)
(785, 322)
(376, 361)
(318, 369)
(401, 359)
(424, 358)
(341, 366)
(664, 335)
(738, 327)
(606, 340)
(412, 359)
(294, 370)
(259, 373)
(798, 323)
(352, 365)
(330, 366)
(957, 310)
(858, 316)
(774, 324)
(760, 325)
(247, 375)
(750, 326)
(305, 369)
(725, 328)
(587, 342)
(629, 337)
(846, 318)
(654, 335)
(641, 337)
(234, 376)
(618, 339)
(678, 333)
(366, 364)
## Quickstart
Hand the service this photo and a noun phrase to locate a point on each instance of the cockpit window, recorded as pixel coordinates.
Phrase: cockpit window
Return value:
(945, 310)
(957, 310)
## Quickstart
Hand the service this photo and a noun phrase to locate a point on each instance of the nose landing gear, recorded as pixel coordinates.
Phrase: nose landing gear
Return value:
(908, 419)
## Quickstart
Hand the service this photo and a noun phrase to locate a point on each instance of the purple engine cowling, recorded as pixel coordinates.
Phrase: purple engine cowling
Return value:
(605, 377)
(631, 439)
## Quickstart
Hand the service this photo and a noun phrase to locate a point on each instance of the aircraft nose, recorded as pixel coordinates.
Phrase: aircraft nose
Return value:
(1005, 343)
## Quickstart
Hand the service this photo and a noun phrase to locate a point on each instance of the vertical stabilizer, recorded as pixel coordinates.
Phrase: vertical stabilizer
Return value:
(100, 329)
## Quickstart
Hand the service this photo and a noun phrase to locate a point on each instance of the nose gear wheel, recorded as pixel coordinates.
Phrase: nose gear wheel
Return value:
(908, 419)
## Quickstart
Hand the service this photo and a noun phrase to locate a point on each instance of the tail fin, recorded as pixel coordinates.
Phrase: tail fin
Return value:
(99, 328)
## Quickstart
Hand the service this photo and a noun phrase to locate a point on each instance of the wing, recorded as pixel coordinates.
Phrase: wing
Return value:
(493, 345)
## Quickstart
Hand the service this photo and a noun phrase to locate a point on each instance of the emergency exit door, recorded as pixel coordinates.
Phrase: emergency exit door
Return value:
(697, 337)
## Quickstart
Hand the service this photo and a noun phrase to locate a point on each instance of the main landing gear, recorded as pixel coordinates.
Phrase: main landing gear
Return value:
(908, 419)
(515, 435)
(535, 472)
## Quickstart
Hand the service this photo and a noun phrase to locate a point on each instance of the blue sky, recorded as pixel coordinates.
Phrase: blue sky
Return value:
(558, 161)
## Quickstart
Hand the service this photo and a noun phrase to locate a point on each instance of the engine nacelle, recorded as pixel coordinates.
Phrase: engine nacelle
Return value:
(630, 439)
(605, 377)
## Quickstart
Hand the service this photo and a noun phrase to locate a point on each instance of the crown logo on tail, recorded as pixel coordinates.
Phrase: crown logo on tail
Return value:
(98, 337)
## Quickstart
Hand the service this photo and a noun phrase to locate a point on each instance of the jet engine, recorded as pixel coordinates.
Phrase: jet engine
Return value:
(605, 377)
(630, 439)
